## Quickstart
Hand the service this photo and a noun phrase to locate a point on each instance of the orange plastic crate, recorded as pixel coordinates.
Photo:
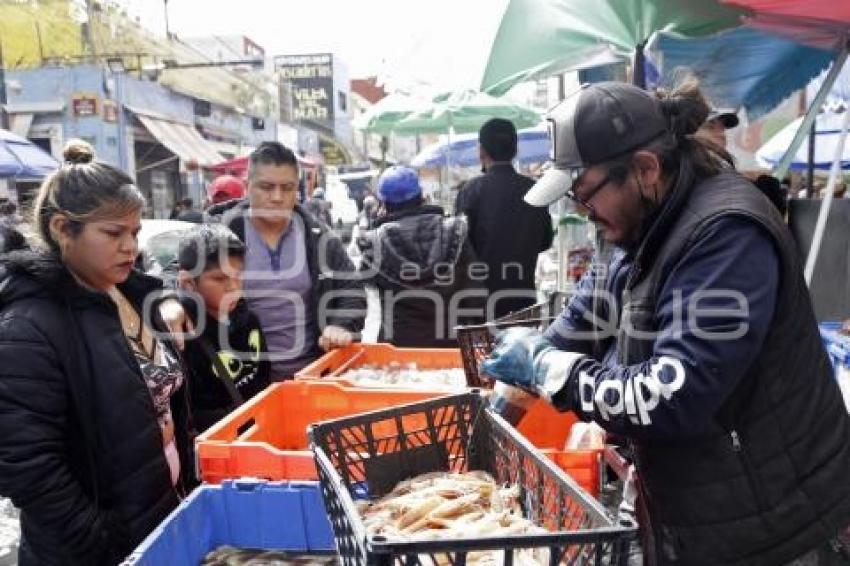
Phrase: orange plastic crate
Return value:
(267, 436)
(545, 427)
(337, 362)
(549, 429)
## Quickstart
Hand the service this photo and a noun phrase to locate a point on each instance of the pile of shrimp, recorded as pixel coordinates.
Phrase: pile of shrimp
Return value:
(445, 505)
(408, 374)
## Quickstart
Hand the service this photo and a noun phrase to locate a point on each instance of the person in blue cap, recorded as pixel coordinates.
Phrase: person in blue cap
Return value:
(418, 259)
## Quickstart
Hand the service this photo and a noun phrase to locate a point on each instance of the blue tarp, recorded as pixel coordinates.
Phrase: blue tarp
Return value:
(22, 159)
(741, 67)
(532, 147)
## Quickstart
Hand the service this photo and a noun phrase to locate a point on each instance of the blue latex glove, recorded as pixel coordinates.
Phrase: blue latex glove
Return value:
(512, 359)
(523, 358)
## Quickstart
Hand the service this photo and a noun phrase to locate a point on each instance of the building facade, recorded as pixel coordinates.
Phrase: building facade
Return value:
(170, 137)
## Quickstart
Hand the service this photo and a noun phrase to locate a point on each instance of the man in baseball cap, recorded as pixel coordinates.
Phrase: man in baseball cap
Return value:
(596, 124)
(602, 124)
(715, 126)
(697, 341)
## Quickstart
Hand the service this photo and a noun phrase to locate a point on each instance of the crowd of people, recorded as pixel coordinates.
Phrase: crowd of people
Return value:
(738, 434)
(108, 375)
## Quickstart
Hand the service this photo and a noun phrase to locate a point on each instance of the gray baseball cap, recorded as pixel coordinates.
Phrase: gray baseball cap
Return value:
(597, 123)
(726, 116)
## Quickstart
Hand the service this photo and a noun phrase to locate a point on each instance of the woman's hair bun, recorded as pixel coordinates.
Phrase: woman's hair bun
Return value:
(78, 152)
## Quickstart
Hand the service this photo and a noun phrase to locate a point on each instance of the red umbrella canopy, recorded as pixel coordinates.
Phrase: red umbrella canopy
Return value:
(239, 166)
(820, 23)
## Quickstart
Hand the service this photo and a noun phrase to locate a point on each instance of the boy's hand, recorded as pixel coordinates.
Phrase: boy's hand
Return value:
(335, 337)
(178, 322)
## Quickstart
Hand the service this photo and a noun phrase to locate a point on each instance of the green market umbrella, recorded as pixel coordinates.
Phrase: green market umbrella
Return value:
(540, 38)
(465, 111)
(388, 112)
(461, 112)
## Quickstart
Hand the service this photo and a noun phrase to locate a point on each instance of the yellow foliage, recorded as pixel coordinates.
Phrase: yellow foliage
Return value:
(111, 31)
(60, 34)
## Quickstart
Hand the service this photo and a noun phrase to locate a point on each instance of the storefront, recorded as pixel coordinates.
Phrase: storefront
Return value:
(170, 156)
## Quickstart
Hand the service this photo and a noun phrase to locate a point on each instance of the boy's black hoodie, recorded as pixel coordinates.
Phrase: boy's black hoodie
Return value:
(242, 359)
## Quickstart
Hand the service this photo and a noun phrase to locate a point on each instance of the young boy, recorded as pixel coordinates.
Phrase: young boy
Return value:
(226, 362)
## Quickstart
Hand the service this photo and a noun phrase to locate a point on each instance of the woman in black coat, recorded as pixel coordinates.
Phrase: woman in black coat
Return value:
(93, 419)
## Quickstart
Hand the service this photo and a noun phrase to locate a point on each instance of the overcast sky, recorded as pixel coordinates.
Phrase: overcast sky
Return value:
(442, 42)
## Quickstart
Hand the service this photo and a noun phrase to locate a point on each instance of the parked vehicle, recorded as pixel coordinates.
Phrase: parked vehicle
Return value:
(159, 241)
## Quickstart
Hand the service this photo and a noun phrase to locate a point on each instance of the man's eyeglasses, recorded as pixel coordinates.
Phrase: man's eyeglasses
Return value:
(585, 200)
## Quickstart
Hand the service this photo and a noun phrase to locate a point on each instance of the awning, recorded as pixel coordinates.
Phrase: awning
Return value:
(46, 107)
(22, 114)
(180, 138)
(20, 123)
(819, 23)
(22, 159)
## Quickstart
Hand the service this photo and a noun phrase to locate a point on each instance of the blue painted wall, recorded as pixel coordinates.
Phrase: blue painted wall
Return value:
(49, 84)
(62, 83)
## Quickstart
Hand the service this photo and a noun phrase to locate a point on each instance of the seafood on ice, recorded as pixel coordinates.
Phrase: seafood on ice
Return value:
(396, 373)
(230, 556)
(446, 505)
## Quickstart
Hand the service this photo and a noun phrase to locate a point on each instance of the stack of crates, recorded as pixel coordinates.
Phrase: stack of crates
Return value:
(266, 437)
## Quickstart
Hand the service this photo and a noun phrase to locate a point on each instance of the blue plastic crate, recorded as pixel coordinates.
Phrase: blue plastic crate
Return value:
(246, 513)
(837, 345)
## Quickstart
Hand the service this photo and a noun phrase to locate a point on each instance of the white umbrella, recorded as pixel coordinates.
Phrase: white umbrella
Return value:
(827, 138)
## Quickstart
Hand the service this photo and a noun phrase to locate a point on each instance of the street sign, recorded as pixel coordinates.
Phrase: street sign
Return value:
(311, 87)
(110, 111)
(84, 105)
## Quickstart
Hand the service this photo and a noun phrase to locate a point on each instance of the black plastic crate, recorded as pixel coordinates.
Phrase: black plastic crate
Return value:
(365, 456)
(476, 341)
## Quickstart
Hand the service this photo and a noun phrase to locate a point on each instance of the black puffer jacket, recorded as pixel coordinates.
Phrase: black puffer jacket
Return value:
(765, 480)
(419, 260)
(80, 448)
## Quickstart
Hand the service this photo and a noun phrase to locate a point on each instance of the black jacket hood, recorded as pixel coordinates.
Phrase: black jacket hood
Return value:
(37, 273)
(29, 273)
(418, 240)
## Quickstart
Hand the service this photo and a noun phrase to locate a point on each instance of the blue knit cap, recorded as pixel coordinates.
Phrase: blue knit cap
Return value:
(398, 184)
